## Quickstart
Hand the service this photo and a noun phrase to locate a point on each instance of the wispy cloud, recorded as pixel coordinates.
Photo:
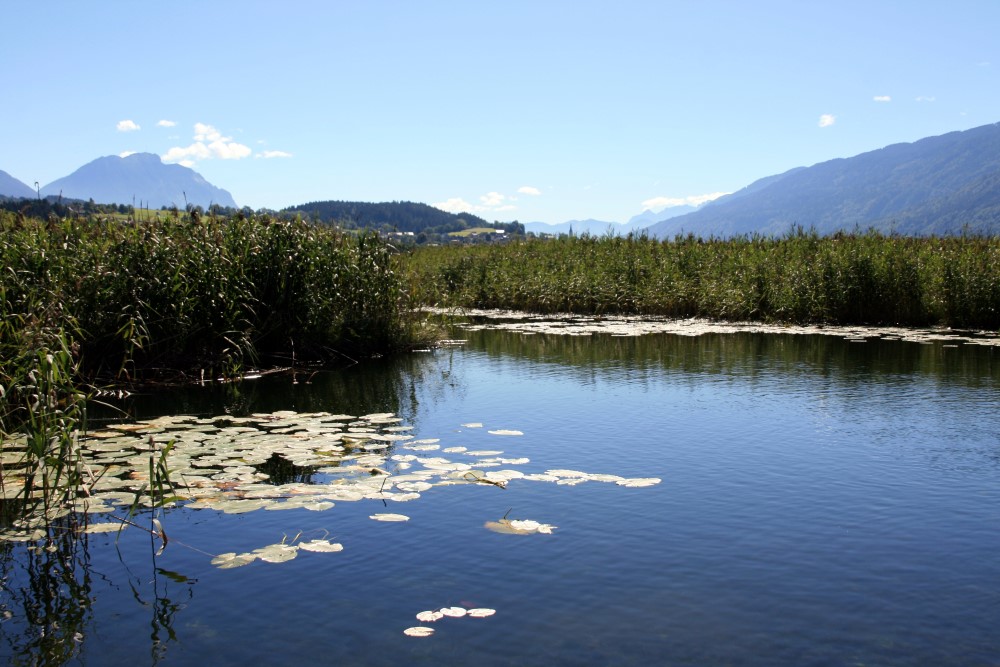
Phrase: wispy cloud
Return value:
(492, 199)
(491, 202)
(882, 98)
(267, 155)
(126, 153)
(827, 119)
(924, 98)
(660, 203)
(166, 123)
(529, 190)
(126, 126)
(455, 205)
(209, 143)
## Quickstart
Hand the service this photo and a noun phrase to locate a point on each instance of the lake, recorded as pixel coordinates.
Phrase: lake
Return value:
(737, 498)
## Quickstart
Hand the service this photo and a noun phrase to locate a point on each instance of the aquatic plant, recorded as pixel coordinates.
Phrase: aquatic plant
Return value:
(88, 301)
(847, 278)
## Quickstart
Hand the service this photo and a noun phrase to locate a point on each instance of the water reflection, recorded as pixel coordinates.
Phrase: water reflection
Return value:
(747, 356)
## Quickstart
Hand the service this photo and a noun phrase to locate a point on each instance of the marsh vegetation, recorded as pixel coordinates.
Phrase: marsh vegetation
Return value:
(861, 278)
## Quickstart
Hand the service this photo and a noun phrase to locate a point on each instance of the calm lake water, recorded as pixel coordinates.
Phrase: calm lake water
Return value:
(823, 502)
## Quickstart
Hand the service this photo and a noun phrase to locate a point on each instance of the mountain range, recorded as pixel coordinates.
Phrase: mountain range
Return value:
(947, 184)
(140, 177)
(602, 227)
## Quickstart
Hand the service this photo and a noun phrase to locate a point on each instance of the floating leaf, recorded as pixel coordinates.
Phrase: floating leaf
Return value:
(389, 517)
(454, 612)
(639, 482)
(230, 560)
(419, 631)
(473, 425)
(321, 546)
(277, 553)
(429, 616)
(505, 432)
(519, 527)
(104, 527)
(481, 612)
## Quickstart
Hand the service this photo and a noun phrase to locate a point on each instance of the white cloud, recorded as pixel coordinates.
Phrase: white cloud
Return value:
(229, 150)
(196, 151)
(492, 199)
(659, 203)
(528, 190)
(217, 146)
(126, 153)
(922, 98)
(203, 132)
(166, 123)
(827, 119)
(126, 126)
(267, 155)
(455, 205)
(882, 98)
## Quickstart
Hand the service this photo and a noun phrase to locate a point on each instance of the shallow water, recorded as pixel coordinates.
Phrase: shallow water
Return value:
(823, 502)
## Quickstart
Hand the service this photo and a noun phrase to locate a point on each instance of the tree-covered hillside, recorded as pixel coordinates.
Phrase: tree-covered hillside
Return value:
(389, 216)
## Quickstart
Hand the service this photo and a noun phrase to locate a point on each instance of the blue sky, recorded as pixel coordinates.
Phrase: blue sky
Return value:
(535, 111)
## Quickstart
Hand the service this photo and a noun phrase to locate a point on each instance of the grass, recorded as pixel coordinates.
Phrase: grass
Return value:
(861, 278)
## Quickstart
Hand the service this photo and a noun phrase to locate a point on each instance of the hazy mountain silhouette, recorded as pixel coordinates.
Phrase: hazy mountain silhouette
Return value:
(11, 187)
(939, 185)
(140, 177)
(601, 227)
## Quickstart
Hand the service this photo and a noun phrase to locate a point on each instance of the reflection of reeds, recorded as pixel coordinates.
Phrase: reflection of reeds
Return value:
(804, 278)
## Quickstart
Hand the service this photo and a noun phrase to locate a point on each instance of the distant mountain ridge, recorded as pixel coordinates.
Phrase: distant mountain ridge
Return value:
(938, 185)
(601, 227)
(11, 187)
(140, 177)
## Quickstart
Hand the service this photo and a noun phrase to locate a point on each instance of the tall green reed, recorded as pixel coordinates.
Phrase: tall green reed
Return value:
(848, 278)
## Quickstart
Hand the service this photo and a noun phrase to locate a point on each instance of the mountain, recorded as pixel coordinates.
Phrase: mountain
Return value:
(939, 185)
(578, 227)
(11, 187)
(139, 177)
(601, 227)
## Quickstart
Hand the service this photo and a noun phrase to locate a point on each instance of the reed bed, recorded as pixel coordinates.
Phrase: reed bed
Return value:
(859, 278)
(87, 302)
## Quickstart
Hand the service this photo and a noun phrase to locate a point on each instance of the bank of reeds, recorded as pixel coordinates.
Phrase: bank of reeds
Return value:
(89, 302)
(859, 278)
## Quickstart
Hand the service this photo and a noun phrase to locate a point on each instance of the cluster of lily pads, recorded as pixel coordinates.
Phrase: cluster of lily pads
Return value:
(433, 616)
(621, 325)
(218, 463)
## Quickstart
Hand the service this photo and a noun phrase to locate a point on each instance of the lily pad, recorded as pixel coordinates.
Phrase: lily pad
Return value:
(106, 527)
(638, 482)
(324, 546)
(429, 616)
(481, 612)
(388, 517)
(502, 431)
(454, 612)
(419, 631)
(277, 553)
(230, 560)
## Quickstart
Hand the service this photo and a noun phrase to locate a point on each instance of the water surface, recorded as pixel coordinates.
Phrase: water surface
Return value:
(823, 502)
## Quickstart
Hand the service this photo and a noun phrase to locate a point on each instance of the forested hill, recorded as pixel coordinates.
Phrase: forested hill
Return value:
(402, 216)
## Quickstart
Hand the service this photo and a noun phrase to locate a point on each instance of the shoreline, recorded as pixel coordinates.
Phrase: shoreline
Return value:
(639, 325)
